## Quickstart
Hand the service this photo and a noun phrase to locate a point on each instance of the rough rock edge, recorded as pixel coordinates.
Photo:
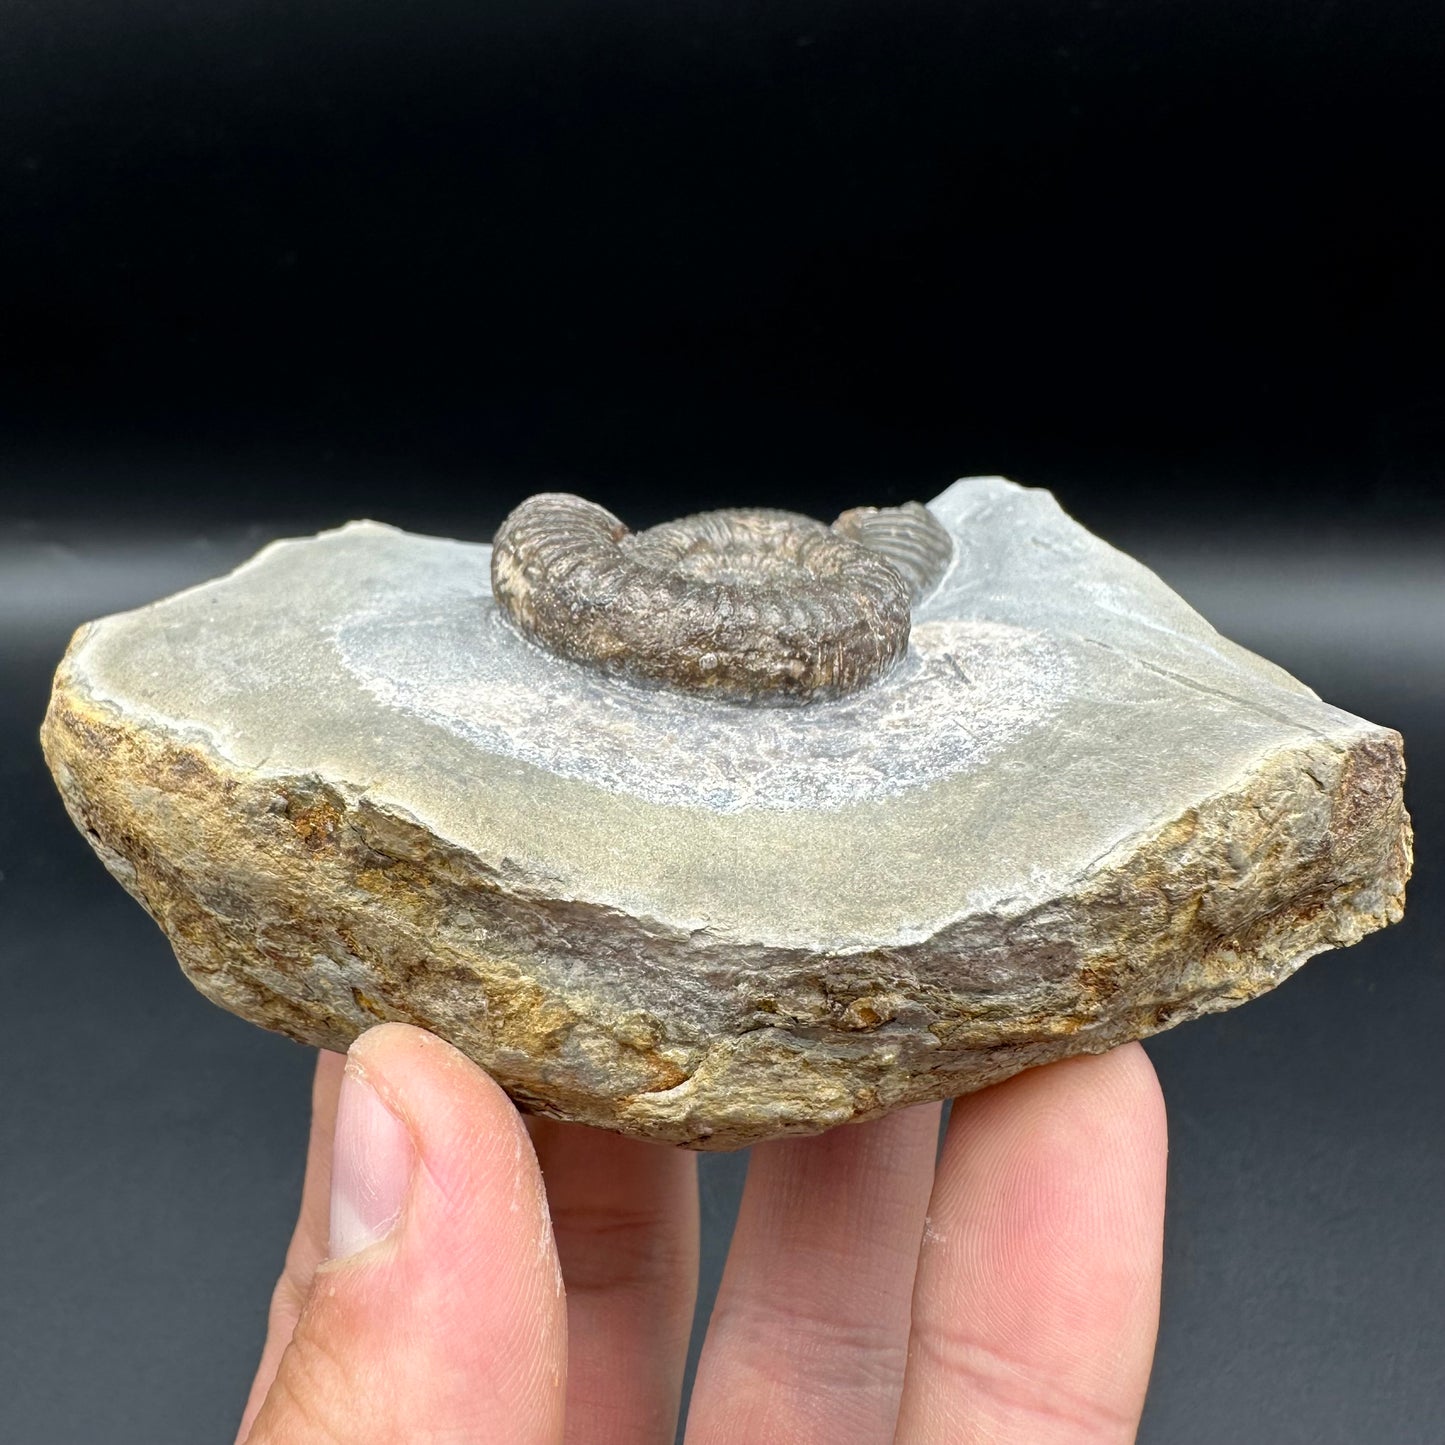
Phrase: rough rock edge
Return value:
(316, 912)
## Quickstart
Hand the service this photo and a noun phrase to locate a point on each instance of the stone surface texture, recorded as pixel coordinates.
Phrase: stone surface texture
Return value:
(349, 790)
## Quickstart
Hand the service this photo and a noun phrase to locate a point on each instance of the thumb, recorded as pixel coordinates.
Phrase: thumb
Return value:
(439, 1313)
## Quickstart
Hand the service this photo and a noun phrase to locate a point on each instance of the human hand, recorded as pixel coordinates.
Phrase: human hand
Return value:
(1011, 1296)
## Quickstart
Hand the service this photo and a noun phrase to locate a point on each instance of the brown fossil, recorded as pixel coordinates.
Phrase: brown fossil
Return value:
(745, 605)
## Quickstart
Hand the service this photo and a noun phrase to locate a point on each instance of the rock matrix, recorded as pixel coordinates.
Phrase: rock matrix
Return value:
(349, 787)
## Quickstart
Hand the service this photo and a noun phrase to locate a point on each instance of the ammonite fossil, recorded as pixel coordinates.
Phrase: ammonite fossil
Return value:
(756, 606)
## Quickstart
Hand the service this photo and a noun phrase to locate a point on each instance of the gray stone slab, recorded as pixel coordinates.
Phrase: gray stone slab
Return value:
(1073, 814)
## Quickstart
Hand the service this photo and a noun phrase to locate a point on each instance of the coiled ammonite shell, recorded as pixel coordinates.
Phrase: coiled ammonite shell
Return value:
(755, 606)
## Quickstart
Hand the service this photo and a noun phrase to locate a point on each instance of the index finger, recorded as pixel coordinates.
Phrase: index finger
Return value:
(308, 1242)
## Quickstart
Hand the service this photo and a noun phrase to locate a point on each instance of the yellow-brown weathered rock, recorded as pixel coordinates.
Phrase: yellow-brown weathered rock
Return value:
(349, 789)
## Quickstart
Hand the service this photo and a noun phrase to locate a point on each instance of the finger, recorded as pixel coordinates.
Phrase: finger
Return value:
(625, 1216)
(809, 1337)
(308, 1242)
(439, 1314)
(1037, 1298)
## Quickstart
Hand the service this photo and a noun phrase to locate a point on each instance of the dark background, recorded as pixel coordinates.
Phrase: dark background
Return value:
(267, 266)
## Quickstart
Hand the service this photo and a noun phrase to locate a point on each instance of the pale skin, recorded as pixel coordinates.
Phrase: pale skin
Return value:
(532, 1283)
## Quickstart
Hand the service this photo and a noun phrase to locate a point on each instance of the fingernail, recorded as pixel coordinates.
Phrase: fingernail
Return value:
(370, 1167)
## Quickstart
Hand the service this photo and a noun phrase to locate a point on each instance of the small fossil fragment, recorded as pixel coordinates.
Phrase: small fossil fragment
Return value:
(1039, 809)
(913, 540)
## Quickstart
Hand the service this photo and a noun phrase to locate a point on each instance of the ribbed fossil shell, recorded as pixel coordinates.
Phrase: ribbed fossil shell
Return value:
(914, 541)
(755, 606)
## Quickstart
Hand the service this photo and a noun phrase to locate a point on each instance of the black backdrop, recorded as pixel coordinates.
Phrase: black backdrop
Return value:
(265, 266)
(336, 251)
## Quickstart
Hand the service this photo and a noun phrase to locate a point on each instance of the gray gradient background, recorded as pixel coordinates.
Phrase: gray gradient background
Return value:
(152, 1145)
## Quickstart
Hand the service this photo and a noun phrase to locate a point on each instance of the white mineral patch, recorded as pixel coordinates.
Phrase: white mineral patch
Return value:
(966, 689)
